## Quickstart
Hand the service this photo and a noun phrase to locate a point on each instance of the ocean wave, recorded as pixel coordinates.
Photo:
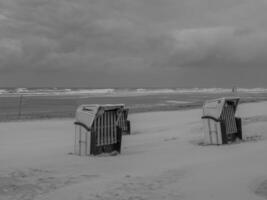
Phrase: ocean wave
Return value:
(253, 90)
(92, 91)
(142, 90)
(185, 90)
(177, 102)
(55, 91)
(21, 90)
(3, 91)
(205, 90)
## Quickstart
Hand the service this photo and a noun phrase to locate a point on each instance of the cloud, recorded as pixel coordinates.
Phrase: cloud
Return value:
(79, 34)
(8, 46)
(218, 47)
(2, 17)
(10, 53)
(103, 36)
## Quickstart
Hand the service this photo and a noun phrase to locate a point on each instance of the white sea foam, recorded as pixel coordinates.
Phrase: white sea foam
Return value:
(154, 91)
(253, 90)
(21, 90)
(177, 102)
(3, 91)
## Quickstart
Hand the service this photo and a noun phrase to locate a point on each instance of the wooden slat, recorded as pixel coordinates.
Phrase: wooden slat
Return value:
(229, 118)
(111, 126)
(97, 139)
(75, 139)
(121, 121)
(98, 131)
(80, 144)
(94, 128)
(124, 120)
(102, 131)
(105, 129)
(108, 128)
(86, 141)
(210, 131)
(107, 125)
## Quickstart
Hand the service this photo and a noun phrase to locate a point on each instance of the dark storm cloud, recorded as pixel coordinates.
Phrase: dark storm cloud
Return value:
(219, 47)
(127, 36)
(68, 34)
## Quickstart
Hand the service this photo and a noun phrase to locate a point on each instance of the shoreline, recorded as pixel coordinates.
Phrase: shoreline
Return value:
(155, 108)
(67, 114)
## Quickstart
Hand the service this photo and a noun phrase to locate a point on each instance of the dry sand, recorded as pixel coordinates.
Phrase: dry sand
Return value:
(162, 159)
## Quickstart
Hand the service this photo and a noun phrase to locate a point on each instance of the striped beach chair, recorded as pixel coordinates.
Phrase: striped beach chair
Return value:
(97, 129)
(220, 124)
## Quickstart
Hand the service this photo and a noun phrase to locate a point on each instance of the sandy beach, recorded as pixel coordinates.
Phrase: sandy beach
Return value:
(163, 159)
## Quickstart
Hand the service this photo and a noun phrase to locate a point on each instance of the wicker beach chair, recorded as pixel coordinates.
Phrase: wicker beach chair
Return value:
(97, 129)
(220, 124)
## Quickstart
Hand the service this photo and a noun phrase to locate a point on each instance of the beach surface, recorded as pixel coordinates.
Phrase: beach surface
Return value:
(164, 158)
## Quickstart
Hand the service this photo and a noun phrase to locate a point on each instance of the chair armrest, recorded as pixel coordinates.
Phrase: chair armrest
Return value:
(210, 117)
(83, 125)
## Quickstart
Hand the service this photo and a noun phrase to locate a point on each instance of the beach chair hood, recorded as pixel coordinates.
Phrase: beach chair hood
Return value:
(86, 114)
(214, 108)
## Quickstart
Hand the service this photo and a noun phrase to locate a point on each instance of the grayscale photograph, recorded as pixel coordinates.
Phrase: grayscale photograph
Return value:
(133, 100)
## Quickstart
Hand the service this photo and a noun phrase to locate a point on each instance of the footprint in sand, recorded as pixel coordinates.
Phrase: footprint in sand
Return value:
(159, 187)
(27, 185)
(262, 189)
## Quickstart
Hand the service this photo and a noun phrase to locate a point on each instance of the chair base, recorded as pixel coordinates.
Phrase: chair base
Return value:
(96, 150)
(230, 138)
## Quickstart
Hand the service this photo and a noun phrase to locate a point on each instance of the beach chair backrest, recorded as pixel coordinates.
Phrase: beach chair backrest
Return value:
(105, 128)
(122, 123)
(97, 130)
(228, 116)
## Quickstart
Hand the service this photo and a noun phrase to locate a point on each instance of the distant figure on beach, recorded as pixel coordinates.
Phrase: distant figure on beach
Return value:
(234, 90)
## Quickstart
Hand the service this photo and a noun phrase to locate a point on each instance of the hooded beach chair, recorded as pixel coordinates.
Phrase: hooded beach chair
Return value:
(220, 124)
(97, 129)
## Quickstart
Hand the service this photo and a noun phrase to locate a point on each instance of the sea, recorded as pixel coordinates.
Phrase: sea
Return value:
(122, 91)
(34, 103)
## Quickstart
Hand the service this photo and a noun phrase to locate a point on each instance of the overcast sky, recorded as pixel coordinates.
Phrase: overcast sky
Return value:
(133, 43)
